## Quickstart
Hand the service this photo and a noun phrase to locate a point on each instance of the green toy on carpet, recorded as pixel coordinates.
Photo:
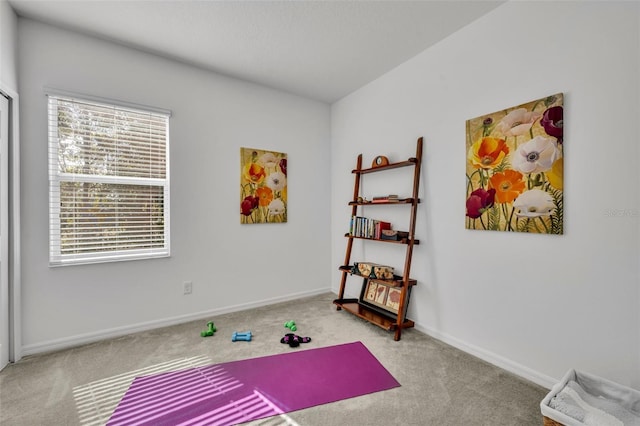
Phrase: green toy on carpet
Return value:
(291, 325)
(209, 331)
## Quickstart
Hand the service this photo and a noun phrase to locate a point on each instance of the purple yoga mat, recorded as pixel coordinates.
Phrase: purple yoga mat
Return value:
(240, 391)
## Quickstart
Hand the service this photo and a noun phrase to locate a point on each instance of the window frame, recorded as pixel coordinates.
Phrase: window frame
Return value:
(57, 177)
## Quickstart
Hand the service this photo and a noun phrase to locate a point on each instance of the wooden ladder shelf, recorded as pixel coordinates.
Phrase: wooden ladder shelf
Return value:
(386, 319)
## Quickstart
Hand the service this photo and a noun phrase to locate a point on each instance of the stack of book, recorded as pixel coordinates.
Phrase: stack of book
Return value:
(364, 227)
(385, 199)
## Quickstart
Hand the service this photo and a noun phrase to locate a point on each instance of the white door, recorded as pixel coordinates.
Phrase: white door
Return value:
(4, 231)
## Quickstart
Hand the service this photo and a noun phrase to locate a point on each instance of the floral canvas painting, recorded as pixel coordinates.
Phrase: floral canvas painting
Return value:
(514, 168)
(263, 186)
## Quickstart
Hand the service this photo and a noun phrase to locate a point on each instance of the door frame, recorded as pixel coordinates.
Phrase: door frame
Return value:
(15, 294)
(5, 124)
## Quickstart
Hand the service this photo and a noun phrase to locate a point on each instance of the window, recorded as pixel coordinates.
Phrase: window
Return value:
(108, 181)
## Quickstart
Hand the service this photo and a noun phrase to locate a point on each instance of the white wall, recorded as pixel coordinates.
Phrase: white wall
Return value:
(534, 304)
(231, 266)
(8, 55)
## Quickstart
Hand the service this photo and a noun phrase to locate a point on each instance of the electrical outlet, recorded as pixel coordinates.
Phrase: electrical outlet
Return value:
(187, 287)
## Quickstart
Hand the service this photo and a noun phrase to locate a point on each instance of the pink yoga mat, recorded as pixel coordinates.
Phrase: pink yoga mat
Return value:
(240, 391)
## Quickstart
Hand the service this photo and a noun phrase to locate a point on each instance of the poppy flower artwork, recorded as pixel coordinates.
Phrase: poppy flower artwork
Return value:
(514, 168)
(263, 186)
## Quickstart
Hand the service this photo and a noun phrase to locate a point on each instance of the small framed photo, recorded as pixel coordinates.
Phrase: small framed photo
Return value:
(382, 297)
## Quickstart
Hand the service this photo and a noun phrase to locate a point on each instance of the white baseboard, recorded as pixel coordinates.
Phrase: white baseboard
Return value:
(83, 339)
(492, 358)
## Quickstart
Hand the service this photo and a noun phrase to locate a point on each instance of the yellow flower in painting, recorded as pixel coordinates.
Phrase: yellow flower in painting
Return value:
(555, 175)
(487, 152)
(508, 185)
(265, 195)
(254, 173)
(518, 122)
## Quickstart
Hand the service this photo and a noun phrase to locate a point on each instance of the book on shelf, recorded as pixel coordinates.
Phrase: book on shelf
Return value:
(385, 199)
(364, 227)
(381, 226)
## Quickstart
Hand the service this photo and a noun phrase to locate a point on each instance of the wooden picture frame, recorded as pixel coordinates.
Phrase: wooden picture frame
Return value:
(380, 296)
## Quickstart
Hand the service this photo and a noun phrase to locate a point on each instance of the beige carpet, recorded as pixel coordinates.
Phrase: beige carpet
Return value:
(440, 384)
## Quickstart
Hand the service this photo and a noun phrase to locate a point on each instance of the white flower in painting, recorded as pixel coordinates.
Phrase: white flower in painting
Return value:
(277, 181)
(518, 122)
(533, 203)
(268, 160)
(536, 155)
(276, 207)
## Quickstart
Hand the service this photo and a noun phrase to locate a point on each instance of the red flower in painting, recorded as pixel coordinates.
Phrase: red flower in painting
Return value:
(283, 166)
(479, 201)
(552, 121)
(248, 204)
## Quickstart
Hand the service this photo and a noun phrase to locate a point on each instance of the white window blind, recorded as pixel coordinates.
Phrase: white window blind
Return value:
(108, 182)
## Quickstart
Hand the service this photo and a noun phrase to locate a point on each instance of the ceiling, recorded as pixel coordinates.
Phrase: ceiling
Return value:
(323, 50)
